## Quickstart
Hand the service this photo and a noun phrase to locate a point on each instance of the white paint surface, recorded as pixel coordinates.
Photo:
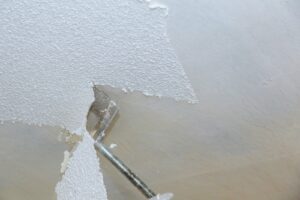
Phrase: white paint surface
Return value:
(83, 179)
(51, 51)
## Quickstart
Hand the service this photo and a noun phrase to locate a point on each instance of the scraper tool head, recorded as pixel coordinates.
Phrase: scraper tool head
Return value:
(101, 114)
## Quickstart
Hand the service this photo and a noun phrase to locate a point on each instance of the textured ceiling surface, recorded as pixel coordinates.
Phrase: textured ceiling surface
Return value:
(52, 51)
(241, 141)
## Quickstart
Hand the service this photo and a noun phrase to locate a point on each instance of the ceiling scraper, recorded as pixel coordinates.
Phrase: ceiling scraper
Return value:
(100, 116)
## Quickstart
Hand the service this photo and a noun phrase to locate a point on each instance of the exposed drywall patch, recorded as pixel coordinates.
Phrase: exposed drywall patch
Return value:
(83, 179)
(50, 52)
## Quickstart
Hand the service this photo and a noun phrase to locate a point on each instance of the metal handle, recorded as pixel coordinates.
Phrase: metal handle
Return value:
(134, 179)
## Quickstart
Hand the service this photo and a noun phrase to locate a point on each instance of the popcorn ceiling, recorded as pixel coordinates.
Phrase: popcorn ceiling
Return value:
(51, 51)
(83, 179)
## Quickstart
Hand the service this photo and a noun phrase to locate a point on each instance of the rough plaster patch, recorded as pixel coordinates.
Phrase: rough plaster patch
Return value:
(83, 179)
(50, 52)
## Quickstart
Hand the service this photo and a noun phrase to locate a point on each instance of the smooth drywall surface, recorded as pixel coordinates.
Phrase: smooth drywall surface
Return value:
(30, 158)
(52, 51)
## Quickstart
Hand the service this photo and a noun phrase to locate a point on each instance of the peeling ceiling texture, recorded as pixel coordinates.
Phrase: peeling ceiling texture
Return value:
(52, 51)
(239, 58)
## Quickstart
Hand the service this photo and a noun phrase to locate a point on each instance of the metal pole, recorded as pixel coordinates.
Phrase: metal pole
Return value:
(134, 179)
